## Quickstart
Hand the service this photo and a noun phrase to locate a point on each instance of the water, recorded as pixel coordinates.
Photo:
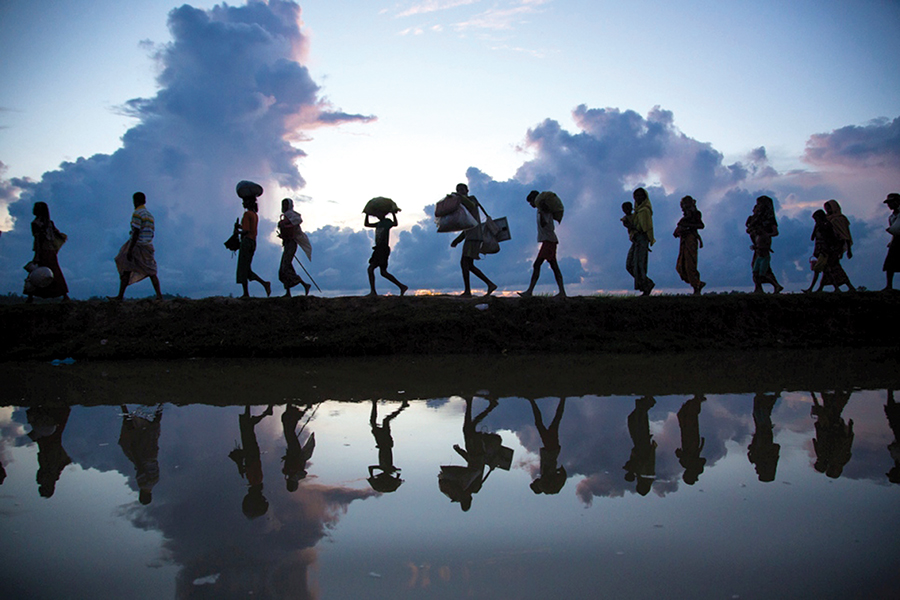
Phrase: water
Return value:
(658, 497)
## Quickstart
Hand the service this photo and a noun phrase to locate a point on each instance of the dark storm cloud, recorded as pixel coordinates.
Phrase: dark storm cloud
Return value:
(875, 144)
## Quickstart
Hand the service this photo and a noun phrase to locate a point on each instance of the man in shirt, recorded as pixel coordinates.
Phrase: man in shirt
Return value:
(136, 259)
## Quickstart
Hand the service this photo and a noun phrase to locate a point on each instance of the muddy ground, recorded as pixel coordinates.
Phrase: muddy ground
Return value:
(434, 325)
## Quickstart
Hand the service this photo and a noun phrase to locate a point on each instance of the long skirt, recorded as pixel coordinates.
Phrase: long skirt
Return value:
(833, 273)
(141, 265)
(636, 263)
(286, 273)
(245, 260)
(46, 257)
(686, 265)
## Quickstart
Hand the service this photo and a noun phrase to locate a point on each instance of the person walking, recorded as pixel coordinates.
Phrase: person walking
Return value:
(472, 245)
(689, 244)
(248, 229)
(892, 260)
(546, 237)
(641, 240)
(47, 242)
(291, 237)
(762, 227)
(137, 257)
(381, 251)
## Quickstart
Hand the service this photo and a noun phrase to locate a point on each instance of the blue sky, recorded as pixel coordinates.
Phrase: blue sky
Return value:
(405, 99)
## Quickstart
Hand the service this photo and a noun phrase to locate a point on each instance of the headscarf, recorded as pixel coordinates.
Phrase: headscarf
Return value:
(643, 218)
(839, 222)
(299, 235)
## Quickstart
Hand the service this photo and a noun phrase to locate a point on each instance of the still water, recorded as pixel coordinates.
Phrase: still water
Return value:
(448, 478)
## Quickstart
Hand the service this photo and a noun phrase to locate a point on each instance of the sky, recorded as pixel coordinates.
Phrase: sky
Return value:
(334, 103)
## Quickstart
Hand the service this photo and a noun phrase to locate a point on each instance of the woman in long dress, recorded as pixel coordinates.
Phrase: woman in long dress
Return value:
(46, 248)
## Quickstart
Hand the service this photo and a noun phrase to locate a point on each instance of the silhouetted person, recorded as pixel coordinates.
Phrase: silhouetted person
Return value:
(641, 235)
(823, 239)
(249, 463)
(763, 451)
(388, 477)
(297, 455)
(839, 244)
(762, 226)
(892, 260)
(139, 440)
(691, 442)
(552, 478)
(47, 426)
(641, 465)
(292, 237)
(546, 237)
(892, 411)
(248, 229)
(482, 450)
(2, 473)
(381, 251)
(47, 242)
(628, 224)
(689, 244)
(472, 247)
(136, 259)
(834, 438)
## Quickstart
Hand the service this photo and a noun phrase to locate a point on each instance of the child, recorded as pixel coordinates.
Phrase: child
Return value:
(381, 251)
(548, 240)
(628, 219)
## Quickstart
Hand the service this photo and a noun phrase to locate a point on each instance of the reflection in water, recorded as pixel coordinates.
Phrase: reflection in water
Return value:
(691, 442)
(483, 449)
(139, 440)
(249, 463)
(388, 479)
(297, 455)
(834, 437)
(763, 451)
(892, 410)
(315, 541)
(641, 464)
(552, 478)
(47, 426)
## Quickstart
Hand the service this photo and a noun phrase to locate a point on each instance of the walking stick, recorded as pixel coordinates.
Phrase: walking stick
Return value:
(307, 273)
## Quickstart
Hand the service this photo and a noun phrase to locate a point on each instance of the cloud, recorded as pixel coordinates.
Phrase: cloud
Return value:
(430, 6)
(502, 18)
(875, 144)
(233, 101)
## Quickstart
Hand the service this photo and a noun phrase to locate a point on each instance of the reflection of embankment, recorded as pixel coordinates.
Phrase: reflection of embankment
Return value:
(228, 382)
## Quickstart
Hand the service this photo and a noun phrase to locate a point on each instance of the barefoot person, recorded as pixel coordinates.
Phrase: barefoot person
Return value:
(381, 251)
(892, 260)
(472, 245)
(642, 238)
(47, 242)
(136, 259)
(546, 237)
(291, 237)
(248, 229)
(762, 227)
(690, 242)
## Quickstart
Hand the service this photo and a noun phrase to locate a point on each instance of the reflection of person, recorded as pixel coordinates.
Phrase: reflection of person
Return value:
(248, 229)
(388, 479)
(762, 226)
(834, 438)
(297, 455)
(892, 411)
(892, 260)
(689, 244)
(291, 236)
(47, 426)
(552, 478)
(546, 236)
(381, 251)
(472, 246)
(691, 442)
(763, 451)
(46, 250)
(641, 465)
(641, 235)
(482, 449)
(249, 463)
(136, 259)
(139, 440)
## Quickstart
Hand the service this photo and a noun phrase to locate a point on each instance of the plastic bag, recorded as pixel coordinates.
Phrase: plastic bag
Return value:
(459, 220)
(447, 205)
